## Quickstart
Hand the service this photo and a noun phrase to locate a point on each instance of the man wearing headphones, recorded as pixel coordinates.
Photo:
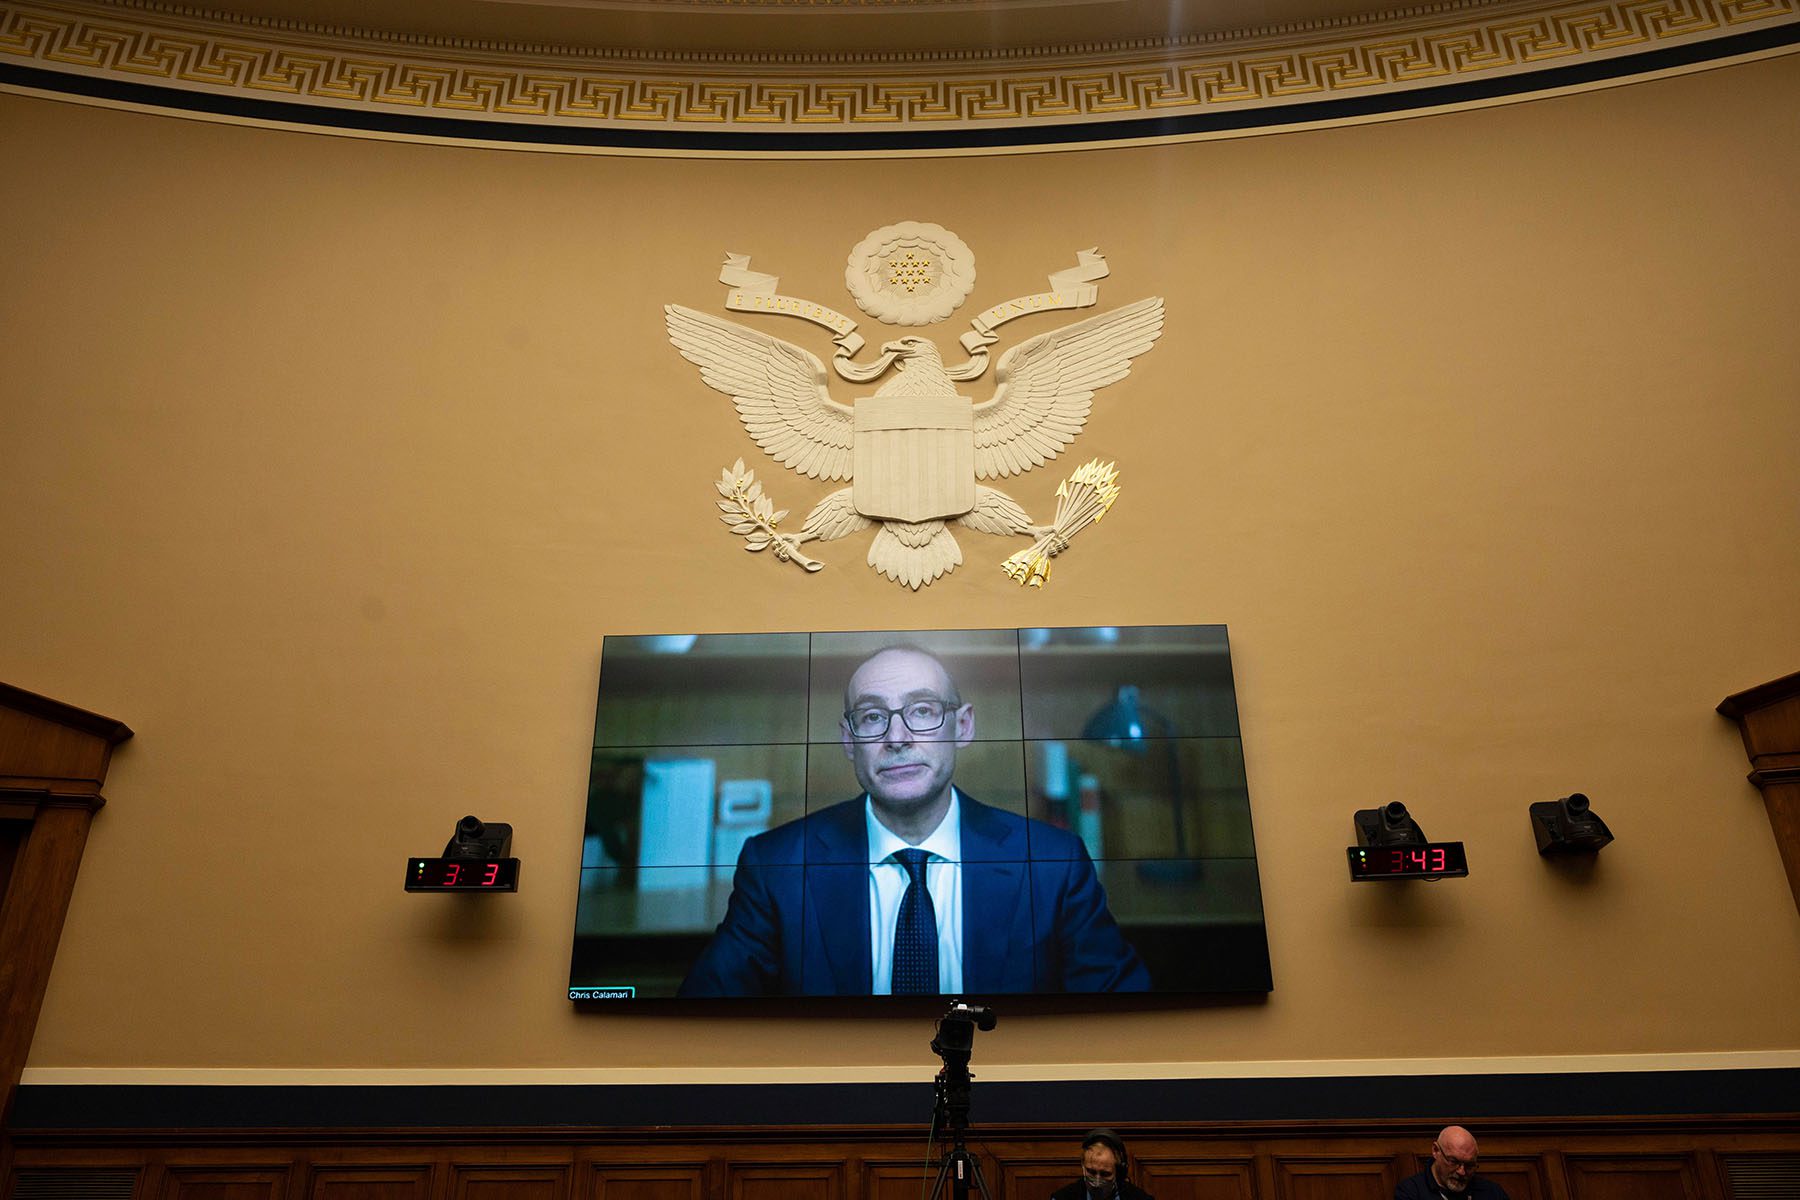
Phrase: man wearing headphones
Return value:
(1103, 1167)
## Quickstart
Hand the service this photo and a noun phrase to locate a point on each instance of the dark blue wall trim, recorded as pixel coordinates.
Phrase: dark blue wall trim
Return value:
(1517, 85)
(1649, 1093)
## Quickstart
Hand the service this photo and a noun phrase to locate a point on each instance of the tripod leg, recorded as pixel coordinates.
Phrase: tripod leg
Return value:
(937, 1186)
(967, 1169)
(980, 1183)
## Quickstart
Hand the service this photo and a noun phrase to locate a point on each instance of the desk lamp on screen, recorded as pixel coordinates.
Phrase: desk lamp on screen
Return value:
(1126, 723)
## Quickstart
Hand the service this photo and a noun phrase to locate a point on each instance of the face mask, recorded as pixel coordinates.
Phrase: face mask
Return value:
(1100, 1187)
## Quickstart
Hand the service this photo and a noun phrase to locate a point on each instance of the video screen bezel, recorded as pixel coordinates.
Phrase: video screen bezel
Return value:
(1193, 682)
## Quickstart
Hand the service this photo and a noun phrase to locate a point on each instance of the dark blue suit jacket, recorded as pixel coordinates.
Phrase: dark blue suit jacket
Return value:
(1034, 914)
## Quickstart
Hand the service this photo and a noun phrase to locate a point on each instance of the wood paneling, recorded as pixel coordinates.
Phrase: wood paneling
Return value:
(371, 1183)
(12, 839)
(1769, 718)
(1671, 1178)
(1550, 1159)
(224, 1183)
(53, 759)
(898, 1178)
(1198, 1178)
(786, 1181)
(1034, 1178)
(1523, 1178)
(54, 749)
(1335, 1178)
(674, 1181)
(479, 1182)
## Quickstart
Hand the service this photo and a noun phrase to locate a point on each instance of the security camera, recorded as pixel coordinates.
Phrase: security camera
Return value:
(1568, 826)
(474, 839)
(1389, 825)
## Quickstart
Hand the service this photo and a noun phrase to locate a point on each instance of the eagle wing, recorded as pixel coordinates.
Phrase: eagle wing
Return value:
(834, 517)
(779, 390)
(995, 512)
(1046, 386)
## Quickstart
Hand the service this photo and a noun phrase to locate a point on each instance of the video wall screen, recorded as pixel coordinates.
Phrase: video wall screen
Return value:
(960, 812)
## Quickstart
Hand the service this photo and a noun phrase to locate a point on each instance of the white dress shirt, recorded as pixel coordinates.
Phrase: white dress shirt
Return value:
(888, 881)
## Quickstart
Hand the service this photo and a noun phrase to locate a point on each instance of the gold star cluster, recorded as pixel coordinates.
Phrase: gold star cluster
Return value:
(909, 271)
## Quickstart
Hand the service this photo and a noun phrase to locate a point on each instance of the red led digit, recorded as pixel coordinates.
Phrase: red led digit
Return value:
(1439, 860)
(1398, 861)
(492, 876)
(452, 873)
(1418, 858)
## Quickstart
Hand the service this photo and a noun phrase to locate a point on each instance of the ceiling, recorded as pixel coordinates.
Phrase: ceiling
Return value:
(853, 76)
(812, 27)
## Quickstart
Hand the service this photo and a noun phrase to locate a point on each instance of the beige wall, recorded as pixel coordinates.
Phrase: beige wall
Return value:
(326, 463)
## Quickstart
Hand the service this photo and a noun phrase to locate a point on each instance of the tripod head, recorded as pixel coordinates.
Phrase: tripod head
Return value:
(954, 1043)
(955, 1039)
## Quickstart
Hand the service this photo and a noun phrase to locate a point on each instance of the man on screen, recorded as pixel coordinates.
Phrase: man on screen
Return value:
(914, 886)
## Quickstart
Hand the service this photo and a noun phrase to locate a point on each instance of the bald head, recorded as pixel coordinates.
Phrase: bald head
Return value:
(916, 660)
(1453, 1158)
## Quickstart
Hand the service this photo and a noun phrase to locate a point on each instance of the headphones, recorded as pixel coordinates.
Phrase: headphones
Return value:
(1109, 1139)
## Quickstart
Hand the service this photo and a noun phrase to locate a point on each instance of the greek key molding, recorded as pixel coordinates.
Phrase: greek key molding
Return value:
(269, 60)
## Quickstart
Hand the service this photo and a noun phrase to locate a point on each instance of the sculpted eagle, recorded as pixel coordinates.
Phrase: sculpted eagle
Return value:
(914, 450)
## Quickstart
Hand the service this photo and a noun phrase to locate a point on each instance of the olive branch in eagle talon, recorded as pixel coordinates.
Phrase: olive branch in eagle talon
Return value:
(753, 515)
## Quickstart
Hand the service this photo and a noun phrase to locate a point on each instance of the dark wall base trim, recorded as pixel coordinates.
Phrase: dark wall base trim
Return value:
(1774, 1091)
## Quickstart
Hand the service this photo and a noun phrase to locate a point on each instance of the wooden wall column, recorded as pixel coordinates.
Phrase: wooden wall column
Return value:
(53, 759)
(1769, 717)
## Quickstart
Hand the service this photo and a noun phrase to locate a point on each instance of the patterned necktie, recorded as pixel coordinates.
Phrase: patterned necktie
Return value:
(915, 932)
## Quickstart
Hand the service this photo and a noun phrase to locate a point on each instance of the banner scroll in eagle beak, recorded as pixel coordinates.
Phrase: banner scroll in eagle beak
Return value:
(752, 291)
(1073, 288)
(755, 291)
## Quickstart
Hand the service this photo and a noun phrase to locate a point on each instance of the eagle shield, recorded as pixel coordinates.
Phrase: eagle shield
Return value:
(914, 457)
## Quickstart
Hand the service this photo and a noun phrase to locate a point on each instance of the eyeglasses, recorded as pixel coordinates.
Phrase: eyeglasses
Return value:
(870, 721)
(1458, 1164)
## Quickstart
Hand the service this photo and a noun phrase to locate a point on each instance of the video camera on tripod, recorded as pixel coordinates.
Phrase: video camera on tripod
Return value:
(955, 1039)
(954, 1042)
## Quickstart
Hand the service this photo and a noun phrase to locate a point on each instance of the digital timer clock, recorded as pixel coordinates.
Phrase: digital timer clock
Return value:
(462, 874)
(1424, 860)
